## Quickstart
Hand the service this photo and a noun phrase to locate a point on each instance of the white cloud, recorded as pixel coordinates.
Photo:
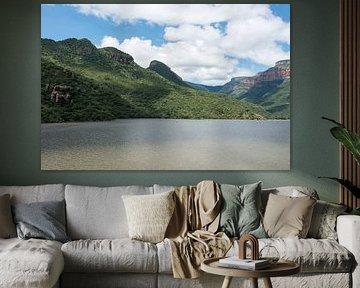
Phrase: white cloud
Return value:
(163, 14)
(141, 50)
(193, 34)
(191, 62)
(202, 43)
(257, 39)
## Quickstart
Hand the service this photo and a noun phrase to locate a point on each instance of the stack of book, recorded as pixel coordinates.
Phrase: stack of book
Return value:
(236, 262)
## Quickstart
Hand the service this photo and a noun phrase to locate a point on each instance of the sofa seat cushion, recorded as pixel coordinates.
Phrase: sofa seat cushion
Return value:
(30, 263)
(110, 255)
(313, 255)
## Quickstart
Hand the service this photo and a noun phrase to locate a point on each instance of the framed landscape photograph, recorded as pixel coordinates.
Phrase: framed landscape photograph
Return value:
(165, 86)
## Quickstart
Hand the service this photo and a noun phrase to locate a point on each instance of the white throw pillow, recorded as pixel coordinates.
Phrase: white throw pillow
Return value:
(149, 215)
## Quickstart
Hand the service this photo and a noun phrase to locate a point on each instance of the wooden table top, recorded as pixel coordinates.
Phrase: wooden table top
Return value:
(281, 268)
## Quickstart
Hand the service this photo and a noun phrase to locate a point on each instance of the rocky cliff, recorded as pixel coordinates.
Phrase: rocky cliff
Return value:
(238, 85)
(270, 89)
(280, 71)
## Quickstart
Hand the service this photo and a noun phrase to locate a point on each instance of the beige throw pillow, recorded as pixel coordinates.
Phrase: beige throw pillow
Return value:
(288, 217)
(7, 226)
(149, 215)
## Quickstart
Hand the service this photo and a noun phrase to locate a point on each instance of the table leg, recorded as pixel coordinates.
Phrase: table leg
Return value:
(227, 282)
(267, 283)
(254, 282)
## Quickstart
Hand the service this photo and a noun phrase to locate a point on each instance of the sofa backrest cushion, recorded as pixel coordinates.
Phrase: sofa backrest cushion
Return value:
(163, 188)
(36, 193)
(98, 212)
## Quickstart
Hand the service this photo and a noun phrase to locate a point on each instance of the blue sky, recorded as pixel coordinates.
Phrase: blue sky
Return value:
(207, 44)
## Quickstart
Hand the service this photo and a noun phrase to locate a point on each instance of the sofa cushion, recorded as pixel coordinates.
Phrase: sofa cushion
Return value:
(116, 255)
(30, 263)
(36, 193)
(287, 216)
(240, 210)
(163, 188)
(98, 212)
(43, 220)
(323, 222)
(313, 255)
(149, 215)
(7, 226)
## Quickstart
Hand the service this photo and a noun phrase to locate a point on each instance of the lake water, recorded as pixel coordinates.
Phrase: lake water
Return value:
(165, 144)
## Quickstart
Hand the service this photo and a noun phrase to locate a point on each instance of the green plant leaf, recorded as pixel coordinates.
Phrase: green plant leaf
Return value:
(349, 139)
(347, 184)
(355, 211)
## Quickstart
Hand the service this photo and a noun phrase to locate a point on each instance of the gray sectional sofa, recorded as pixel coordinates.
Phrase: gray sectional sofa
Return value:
(101, 254)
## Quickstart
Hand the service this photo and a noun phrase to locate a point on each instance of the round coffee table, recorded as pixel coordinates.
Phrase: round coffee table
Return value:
(281, 268)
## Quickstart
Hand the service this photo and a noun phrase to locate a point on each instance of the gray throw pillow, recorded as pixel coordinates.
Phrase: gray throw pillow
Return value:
(7, 227)
(323, 222)
(44, 220)
(240, 213)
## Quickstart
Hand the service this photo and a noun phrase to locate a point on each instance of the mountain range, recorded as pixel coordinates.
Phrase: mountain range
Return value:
(80, 82)
(269, 89)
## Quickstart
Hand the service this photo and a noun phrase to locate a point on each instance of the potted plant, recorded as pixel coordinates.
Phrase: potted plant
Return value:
(351, 141)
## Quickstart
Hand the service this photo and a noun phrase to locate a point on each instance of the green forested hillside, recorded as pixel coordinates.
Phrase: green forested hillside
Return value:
(269, 89)
(105, 84)
(165, 71)
(274, 96)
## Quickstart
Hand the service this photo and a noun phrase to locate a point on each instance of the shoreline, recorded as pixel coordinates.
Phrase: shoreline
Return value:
(165, 119)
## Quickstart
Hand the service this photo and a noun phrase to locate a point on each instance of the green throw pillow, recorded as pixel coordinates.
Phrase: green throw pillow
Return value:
(240, 212)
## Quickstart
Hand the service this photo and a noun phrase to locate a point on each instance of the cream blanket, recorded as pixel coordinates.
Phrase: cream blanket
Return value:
(191, 231)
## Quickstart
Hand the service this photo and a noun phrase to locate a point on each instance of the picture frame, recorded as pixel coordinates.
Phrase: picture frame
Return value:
(165, 87)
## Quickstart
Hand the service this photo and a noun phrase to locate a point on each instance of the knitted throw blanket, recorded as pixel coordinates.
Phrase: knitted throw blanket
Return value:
(191, 231)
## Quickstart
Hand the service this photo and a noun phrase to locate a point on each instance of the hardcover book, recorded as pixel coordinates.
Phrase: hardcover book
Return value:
(236, 262)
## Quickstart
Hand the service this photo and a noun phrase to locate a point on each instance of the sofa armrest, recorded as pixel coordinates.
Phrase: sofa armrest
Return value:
(348, 230)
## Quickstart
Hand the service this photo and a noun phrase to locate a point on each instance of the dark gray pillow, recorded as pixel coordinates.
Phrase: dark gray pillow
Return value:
(240, 213)
(44, 220)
